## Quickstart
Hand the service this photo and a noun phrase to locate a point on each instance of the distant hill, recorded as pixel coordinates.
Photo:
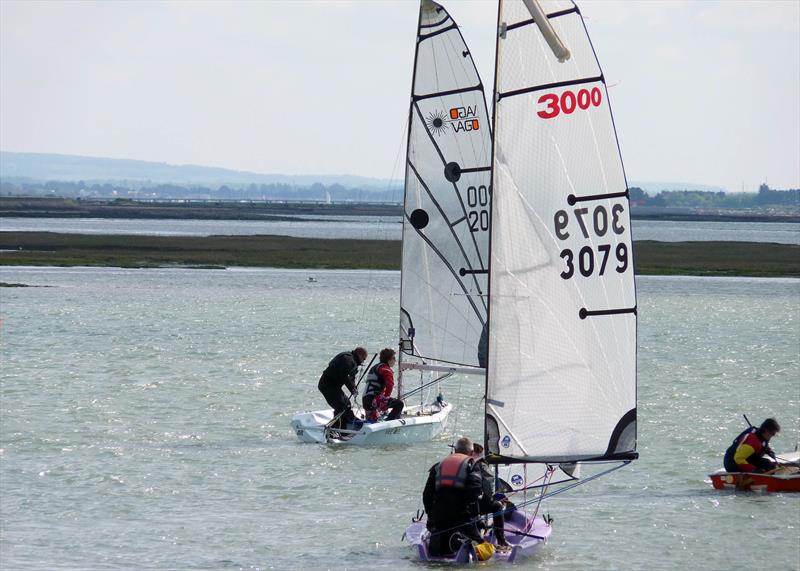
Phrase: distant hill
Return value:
(44, 167)
(20, 167)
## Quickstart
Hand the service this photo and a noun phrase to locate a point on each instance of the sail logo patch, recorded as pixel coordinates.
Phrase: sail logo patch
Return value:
(516, 479)
(460, 119)
(506, 442)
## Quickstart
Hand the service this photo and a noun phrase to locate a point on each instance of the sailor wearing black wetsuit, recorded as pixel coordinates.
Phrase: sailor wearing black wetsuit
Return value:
(341, 371)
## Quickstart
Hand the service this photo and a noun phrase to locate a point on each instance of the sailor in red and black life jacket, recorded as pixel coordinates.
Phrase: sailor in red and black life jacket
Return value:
(451, 496)
(490, 503)
(750, 450)
(377, 397)
(341, 371)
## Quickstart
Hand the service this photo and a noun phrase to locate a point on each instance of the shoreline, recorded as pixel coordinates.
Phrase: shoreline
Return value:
(197, 209)
(745, 259)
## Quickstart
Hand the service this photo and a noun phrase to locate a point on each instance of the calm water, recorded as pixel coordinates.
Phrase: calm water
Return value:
(145, 425)
(385, 228)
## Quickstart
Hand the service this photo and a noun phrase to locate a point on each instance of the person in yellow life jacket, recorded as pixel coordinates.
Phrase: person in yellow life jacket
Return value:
(750, 450)
(450, 498)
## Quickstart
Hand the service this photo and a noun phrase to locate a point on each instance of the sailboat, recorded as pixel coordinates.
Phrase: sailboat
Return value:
(444, 273)
(561, 364)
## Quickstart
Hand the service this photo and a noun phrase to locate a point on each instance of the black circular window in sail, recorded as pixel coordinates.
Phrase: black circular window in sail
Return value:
(419, 219)
(452, 172)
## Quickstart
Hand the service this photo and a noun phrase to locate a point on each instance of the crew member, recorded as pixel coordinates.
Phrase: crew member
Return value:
(489, 502)
(341, 371)
(377, 397)
(750, 450)
(451, 500)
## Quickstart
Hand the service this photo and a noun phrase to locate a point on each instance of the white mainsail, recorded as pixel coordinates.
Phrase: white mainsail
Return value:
(561, 373)
(443, 302)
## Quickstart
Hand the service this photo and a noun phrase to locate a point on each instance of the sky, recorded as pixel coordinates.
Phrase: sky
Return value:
(702, 92)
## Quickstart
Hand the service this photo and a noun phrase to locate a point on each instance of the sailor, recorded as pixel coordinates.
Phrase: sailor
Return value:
(377, 397)
(491, 503)
(451, 500)
(341, 371)
(750, 450)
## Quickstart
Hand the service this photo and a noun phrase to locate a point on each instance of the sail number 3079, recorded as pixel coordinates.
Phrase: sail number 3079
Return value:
(588, 262)
(568, 101)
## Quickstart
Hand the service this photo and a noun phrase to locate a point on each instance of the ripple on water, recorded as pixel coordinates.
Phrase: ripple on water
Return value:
(156, 406)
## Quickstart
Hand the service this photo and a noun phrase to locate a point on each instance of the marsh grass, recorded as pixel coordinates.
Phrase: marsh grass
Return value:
(136, 251)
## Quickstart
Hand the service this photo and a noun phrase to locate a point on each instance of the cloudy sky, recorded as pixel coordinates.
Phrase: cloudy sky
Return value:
(703, 92)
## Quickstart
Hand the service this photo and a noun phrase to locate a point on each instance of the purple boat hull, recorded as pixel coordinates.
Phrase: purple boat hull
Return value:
(524, 533)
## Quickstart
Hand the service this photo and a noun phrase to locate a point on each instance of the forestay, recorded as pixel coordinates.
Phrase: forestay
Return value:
(561, 378)
(446, 213)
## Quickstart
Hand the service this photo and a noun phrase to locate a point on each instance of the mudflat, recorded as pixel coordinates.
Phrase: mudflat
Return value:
(136, 251)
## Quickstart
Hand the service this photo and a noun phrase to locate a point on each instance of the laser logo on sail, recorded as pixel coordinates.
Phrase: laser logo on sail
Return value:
(461, 119)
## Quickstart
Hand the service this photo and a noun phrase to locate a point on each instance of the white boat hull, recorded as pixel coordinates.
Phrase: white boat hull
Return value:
(417, 424)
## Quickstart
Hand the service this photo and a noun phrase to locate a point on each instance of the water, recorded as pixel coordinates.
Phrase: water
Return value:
(145, 425)
(384, 228)
(351, 227)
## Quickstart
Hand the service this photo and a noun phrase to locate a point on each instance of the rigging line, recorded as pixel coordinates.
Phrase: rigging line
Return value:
(436, 250)
(555, 85)
(460, 202)
(424, 386)
(397, 157)
(578, 483)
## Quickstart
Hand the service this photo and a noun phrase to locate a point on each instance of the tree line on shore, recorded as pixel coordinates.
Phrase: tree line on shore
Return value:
(707, 199)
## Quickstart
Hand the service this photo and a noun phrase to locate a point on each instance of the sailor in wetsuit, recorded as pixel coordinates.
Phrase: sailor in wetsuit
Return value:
(377, 397)
(491, 503)
(451, 497)
(341, 371)
(750, 450)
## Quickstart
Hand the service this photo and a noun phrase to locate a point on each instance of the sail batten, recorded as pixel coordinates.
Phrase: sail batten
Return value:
(562, 302)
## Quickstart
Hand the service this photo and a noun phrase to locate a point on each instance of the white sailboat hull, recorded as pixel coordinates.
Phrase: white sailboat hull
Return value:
(417, 424)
